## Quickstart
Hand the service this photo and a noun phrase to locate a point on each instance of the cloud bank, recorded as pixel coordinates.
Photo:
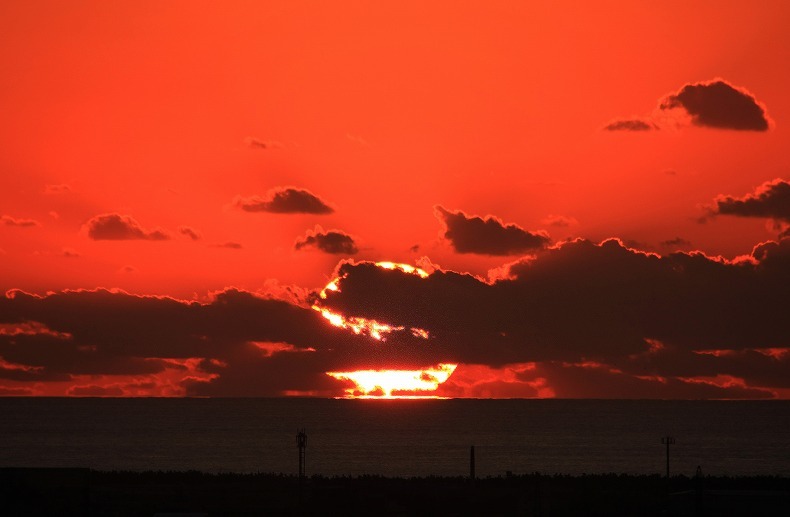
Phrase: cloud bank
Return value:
(604, 306)
(578, 319)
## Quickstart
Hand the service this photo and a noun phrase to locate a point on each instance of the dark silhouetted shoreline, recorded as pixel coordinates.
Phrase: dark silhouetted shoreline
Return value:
(89, 492)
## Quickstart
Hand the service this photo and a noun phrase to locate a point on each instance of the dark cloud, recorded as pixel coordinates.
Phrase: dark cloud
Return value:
(578, 319)
(189, 232)
(69, 253)
(331, 241)
(15, 221)
(114, 333)
(285, 200)
(600, 381)
(760, 367)
(713, 104)
(489, 236)
(586, 302)
(631, 125)
(256, 143)
(230, 245)
(771, 199)
(121, 227)
(718, 104)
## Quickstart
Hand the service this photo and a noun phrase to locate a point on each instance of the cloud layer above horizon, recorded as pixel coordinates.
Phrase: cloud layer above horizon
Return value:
(634, 324)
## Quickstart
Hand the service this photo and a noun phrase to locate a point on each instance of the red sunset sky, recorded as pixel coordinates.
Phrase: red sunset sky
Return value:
(600, 192)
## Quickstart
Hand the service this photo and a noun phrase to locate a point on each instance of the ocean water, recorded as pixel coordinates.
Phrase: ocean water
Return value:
(397, 437)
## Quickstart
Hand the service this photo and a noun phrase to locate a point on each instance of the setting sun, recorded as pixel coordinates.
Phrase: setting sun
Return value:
(389, 383)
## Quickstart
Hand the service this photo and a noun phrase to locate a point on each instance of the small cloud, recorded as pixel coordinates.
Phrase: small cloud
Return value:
(21, 223)
(56, 189)
(677, 242)
(560, 221)
(415, 248)
(69, 253)
(189, 232)
(255, 143)
(229, 245)
(53, 214)
(713, 104)
(285, 200)
(333, 241)
(771, 199)
(634, 124)
(670, 172)
(718, 104)
(121, 227)
(128, 269)
(487, 236)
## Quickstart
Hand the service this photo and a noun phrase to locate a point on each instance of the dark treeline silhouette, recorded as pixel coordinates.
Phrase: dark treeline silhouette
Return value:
(87, 492)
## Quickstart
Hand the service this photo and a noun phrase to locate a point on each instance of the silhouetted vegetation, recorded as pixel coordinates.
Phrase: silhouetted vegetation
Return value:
(87, 492)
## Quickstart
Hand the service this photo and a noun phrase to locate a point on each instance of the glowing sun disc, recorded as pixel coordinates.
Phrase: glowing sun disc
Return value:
(382, 383)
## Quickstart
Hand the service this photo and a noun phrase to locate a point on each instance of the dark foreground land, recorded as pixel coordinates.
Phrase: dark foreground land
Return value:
(88, 492)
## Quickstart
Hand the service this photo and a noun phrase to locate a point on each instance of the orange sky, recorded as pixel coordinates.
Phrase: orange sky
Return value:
(171, 116)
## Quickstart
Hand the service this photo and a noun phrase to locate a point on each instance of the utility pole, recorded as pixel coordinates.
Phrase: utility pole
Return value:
(667, 440)
(301, 443)
(472, 463)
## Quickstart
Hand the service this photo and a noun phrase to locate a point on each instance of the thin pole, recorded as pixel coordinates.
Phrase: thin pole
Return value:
(472, 463)
(301, 443)
(668, 440)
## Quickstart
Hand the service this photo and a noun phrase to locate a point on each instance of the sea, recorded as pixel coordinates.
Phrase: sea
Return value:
(397, 437)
